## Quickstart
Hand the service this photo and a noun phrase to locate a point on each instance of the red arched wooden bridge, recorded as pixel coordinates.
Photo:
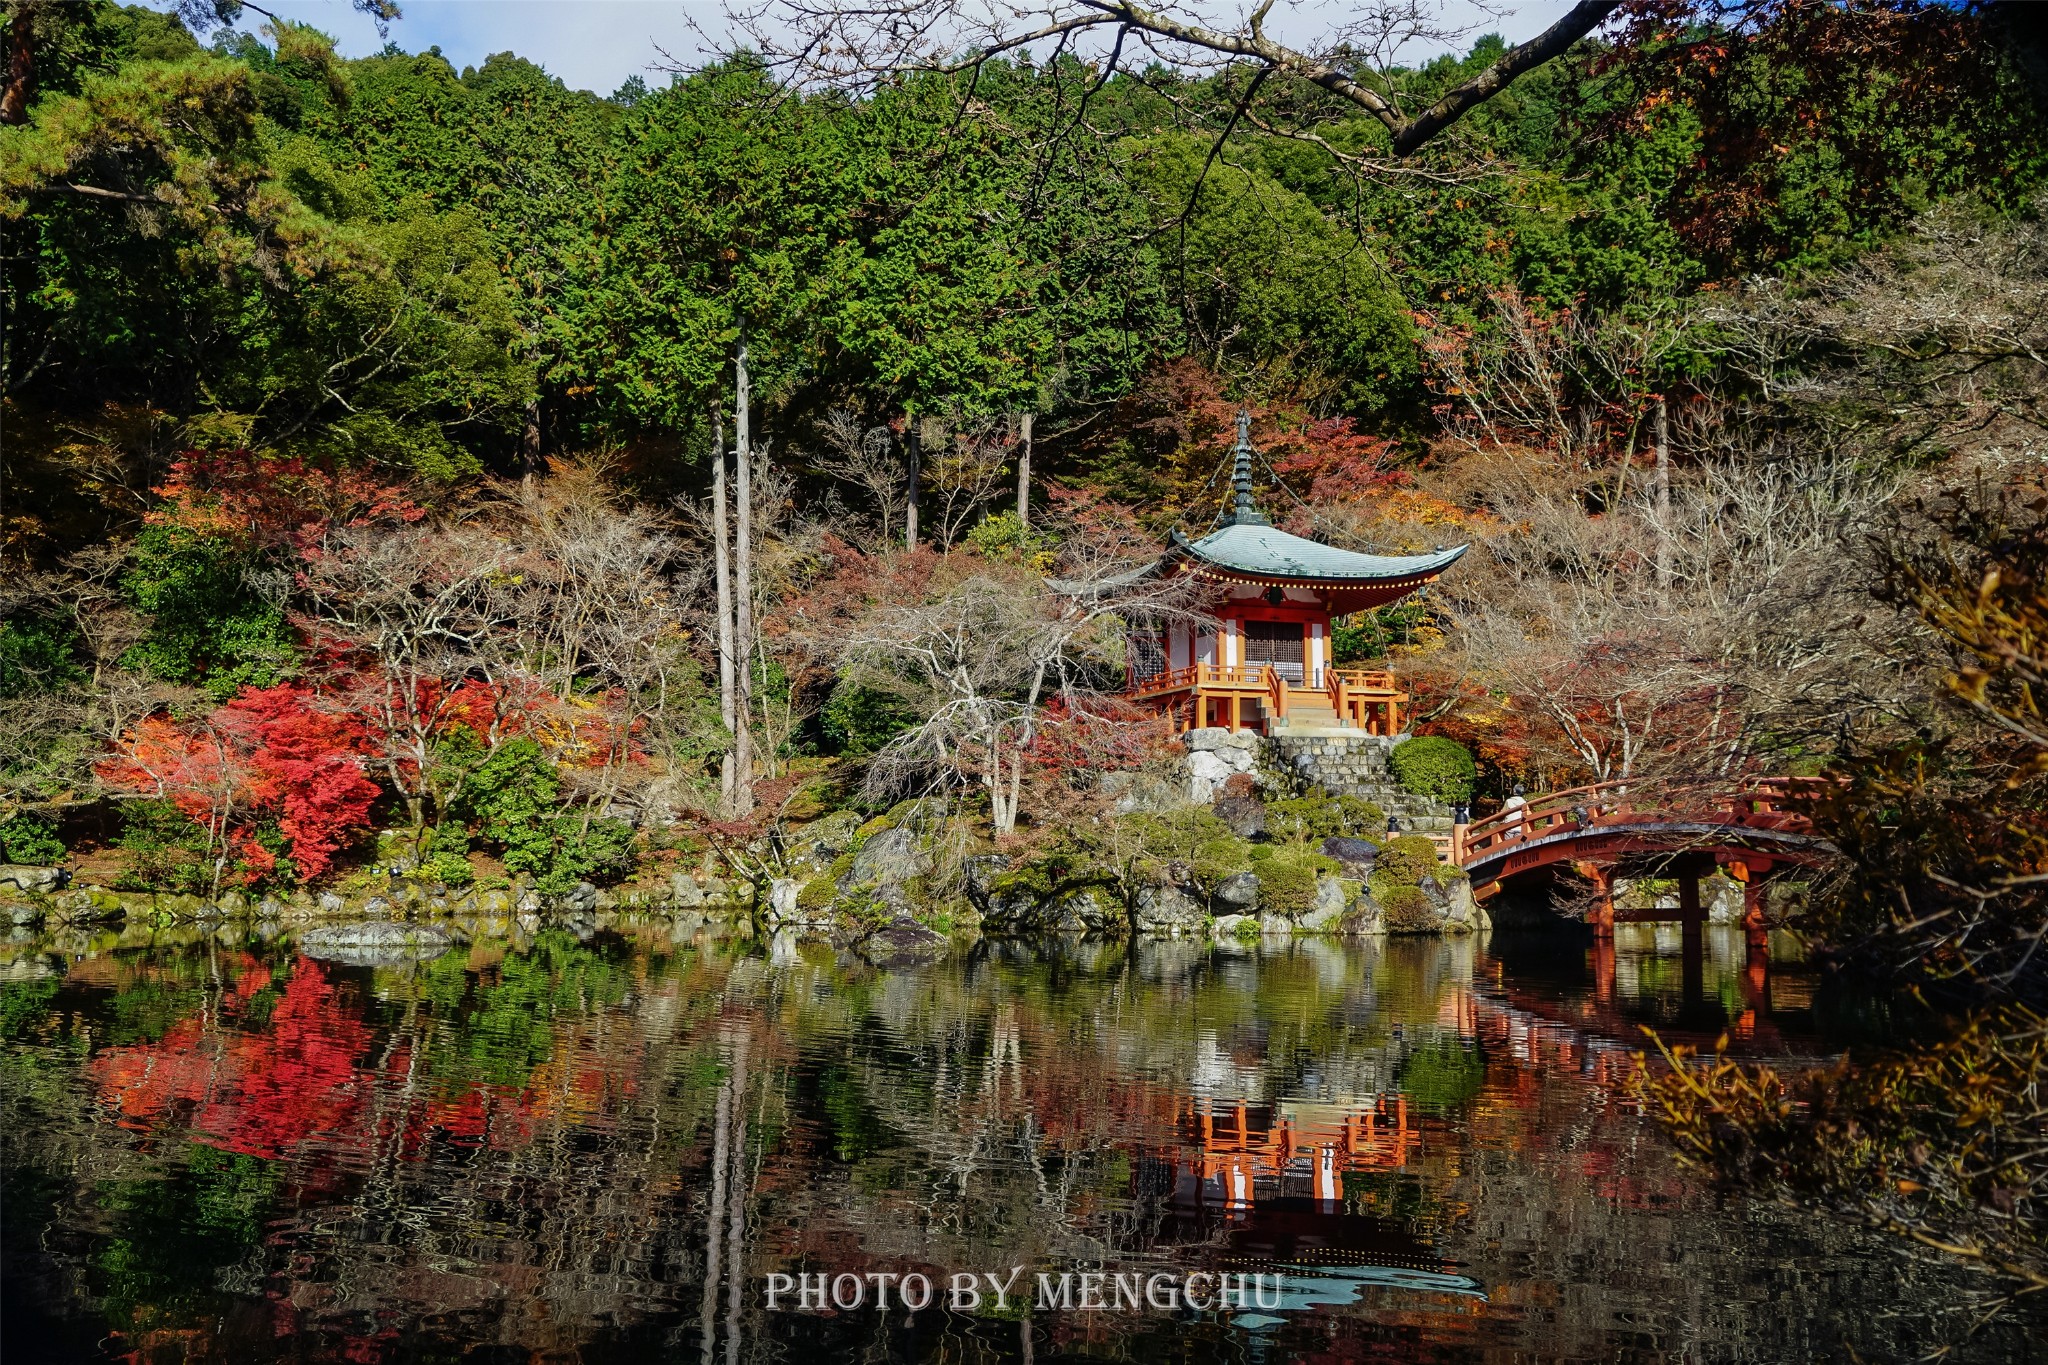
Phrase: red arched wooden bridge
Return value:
(1754, 828)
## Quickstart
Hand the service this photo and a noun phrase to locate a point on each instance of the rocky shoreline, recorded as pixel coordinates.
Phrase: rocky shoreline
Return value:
(1227, 847)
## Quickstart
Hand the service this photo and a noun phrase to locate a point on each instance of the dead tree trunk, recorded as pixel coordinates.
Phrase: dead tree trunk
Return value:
(913, 447)
(743, 595)
(529, 442)
(1661, 489)
(1024, 471)
(721, 561)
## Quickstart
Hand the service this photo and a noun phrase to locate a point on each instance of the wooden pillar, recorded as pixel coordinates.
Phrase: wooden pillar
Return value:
(1393, 717)
(1756, 934)
(1236, 713)
(1600, 914)
(1693, 927)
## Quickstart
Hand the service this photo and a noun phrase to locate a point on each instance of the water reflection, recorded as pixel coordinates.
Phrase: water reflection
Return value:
(595, 1149)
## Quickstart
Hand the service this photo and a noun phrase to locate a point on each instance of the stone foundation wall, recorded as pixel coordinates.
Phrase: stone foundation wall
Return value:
(1340, 765)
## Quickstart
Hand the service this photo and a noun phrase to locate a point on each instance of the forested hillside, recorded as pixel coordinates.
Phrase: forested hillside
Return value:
(360, 415)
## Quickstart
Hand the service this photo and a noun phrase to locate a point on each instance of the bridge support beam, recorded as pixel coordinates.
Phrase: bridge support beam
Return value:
(1600, 914)
(1754, 931)
(1694, 930)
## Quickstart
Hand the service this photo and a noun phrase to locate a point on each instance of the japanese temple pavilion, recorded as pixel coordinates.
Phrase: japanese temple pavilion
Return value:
(1264, 661)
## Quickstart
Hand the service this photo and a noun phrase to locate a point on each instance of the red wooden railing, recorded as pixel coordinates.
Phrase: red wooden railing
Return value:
(1220, 677)
(1763, 803)
(1365, 697)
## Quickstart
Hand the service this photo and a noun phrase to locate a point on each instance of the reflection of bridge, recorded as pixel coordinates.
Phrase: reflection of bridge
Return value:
(1754, 830)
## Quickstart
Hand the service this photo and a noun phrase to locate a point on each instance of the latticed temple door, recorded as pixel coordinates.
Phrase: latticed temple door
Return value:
(1279, 643)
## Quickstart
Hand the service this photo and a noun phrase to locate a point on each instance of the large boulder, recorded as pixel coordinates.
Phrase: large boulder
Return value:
(1462, 912)
(1167, 909)
(1143, 793)
(782, 900)
(1216, 755)
(1358, 856)
(24, 877)
(1246, 815)
(813, 847)
(1207, 772)
(889, 858)
(1364, 919)
(683, 891)
(902, 943)
(1236, 894)
(1089, 911)
(375, 943)
(1231, 926)
(1721, 895)
(1333, 901)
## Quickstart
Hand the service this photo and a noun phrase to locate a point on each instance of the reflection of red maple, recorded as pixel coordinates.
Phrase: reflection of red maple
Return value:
(258, 1093)
(305, 1082)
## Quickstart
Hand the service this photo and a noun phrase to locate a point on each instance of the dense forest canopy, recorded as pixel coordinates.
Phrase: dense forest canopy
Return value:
(394, 264)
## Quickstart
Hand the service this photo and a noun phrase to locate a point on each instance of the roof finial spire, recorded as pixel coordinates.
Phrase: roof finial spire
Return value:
(1244, 513)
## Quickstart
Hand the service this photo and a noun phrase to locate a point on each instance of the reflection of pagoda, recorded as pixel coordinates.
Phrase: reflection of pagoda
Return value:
(1242, 1153)
(1268, 1180)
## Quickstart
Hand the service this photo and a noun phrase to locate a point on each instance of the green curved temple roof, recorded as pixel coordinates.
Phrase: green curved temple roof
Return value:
(1268, 552)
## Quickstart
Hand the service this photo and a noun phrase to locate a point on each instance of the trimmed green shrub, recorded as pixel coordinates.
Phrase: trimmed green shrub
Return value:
(1308, 819)
(1405, 910)
(1408, 859)
(1192, 836)
(513, 796)
(27, 838)
(449, 869)
(1432, 766)
(1442, 1075)
(1287, 880)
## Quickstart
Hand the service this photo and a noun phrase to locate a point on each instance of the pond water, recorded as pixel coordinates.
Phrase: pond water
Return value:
(603, 1148)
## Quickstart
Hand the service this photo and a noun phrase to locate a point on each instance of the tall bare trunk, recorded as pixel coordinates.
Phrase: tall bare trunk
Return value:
(529, 442)
(913, 447)
(714, 1234)
(743, 593)
(1660, 437)
(721, 560)
(1024, 471)
(738, 1188)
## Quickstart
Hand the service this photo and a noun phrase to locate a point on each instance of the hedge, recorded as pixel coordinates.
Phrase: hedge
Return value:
(1435, 767)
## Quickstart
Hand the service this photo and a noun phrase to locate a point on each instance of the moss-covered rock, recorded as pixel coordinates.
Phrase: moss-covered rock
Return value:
(1307, 819)
(1287, 880)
